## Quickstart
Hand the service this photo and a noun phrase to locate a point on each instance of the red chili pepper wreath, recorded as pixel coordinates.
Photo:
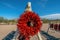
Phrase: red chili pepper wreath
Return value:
(29, 24)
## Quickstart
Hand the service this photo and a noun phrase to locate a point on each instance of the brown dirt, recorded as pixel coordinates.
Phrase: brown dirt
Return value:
(6, 29)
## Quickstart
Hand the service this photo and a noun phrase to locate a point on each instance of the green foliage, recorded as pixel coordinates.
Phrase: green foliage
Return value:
(1, 19)
(14, 21)
(6, 21)
(48, 21)
(45, 20)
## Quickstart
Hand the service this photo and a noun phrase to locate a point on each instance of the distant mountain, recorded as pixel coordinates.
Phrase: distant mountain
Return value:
(51, 16)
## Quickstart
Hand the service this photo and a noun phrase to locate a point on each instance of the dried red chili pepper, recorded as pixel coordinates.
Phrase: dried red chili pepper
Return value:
(29, 23)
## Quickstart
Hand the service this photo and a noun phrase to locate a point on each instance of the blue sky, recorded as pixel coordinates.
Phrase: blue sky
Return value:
(12, 9)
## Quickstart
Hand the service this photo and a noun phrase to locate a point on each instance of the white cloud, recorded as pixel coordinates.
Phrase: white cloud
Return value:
(43, 3)
(52, 16)
(7, 5)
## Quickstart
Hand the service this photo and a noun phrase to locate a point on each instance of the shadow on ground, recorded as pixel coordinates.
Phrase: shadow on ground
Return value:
(9, 36)
(49, 37)
(45, 34)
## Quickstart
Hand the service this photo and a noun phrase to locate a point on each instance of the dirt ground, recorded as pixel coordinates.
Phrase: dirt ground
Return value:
(6, 29)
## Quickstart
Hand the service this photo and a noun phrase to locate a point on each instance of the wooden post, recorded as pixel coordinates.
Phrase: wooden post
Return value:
(39, 36)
